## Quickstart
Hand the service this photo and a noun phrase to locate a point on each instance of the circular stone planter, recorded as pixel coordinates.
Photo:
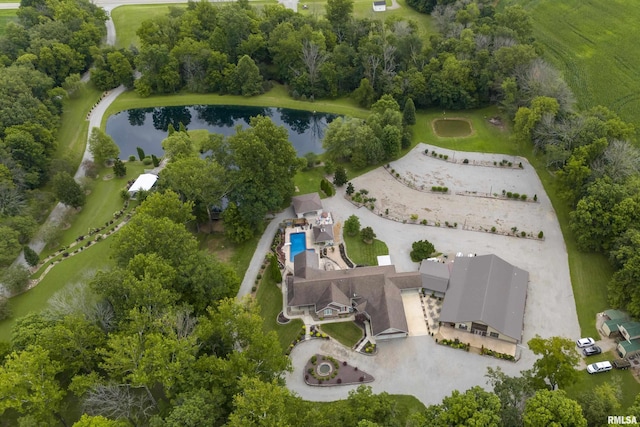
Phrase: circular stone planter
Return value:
(324, 369)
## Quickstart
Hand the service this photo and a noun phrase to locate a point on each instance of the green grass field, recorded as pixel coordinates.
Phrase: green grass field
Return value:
(238, 255)
(127, 20)
(362, 253)
(269, 297)
(308, 181)
(629, 386)
(102, 202)
(6, 16)
(347, 333)
(75, 269)
(594, 44)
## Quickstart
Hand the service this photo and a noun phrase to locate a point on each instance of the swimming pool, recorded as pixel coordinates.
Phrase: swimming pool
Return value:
(298, 244)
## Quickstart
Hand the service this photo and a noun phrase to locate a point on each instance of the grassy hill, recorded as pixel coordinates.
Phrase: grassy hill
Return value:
(594, 44)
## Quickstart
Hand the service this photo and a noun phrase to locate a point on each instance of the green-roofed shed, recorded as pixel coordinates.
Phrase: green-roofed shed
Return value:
(629, 330)
(610, 327)
(614, 314)
(627, 349)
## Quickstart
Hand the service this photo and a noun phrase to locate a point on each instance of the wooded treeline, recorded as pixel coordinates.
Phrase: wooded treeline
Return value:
(331, 56)
(41, 56)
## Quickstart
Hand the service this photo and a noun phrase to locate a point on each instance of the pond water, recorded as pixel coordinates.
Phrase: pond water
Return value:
(147, 127)
(452, 127)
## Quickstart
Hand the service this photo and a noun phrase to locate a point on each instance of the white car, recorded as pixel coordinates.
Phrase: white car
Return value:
(585, 342)
(595, 368)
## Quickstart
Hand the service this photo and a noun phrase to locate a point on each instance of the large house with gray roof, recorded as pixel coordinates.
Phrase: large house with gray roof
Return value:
(373, 291)
(484, 295)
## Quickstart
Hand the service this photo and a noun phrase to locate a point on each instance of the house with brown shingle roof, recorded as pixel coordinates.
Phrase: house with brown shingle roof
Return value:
(307, 204)
(373, 291)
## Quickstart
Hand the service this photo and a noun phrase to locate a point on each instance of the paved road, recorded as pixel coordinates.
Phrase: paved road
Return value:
(264, 246)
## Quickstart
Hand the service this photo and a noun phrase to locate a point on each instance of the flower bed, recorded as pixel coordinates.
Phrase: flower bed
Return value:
(325, 371)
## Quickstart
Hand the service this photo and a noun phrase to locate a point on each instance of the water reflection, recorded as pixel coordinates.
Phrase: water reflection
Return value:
(147, 127)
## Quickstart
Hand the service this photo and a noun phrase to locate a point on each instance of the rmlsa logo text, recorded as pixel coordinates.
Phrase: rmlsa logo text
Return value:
(620, 419)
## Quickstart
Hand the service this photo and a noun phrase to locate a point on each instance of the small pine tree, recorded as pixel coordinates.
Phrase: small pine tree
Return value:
(350, 189)
(31, 256)
(155, 160)
(141, 154)
(119, 169)
(340, 176)
(170, 129)
(409, 113)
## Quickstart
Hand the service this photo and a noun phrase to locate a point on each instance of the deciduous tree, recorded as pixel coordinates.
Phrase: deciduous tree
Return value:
(556, 367)
(67, 190)
(102, 146)
(548, 407)
(352, 225)
(422, 249)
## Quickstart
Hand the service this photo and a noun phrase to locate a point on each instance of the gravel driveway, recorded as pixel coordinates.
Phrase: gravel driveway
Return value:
(416, 365)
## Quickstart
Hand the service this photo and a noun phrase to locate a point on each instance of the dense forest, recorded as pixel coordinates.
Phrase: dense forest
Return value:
(159, 339)
(42, 56)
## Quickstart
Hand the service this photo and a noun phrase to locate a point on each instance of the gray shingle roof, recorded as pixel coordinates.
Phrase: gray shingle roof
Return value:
(375, 290)
(322, 233)
(487, 289)
(306, 203)
(435, 275)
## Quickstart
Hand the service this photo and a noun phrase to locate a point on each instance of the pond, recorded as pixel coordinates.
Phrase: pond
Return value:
(147, 127)
(452, 127)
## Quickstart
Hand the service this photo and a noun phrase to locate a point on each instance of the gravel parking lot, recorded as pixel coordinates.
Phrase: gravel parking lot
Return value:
(417, 365)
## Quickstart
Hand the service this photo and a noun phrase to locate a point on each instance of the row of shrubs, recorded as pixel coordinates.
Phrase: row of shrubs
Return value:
(518, 196)
(496, 354)
(327, 187)
(439, 189)
(456, 343)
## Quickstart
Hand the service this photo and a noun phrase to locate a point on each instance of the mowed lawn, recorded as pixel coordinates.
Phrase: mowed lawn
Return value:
(6, 16)
(362, 253)
(594, 44)
(269, 297)
(75, 269)
(347, 333)
(102, 202)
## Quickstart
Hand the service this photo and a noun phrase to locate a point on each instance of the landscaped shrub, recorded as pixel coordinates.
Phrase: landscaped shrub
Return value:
(445, 189)
(434, 154)
(509, 194)
(439, 156)
(540, 235)
(339, 380)
(535, 197)
(426, 151)
(414, 217)
(253, 288)
(446, 157)
(361, 379)
(465, 161)
(520, 165)
(314, 359)
(516, 195)
(147, 161)
(141, 154)
(423, 222)
(523, 197)
(510, 164)
(350, 190)
(132, 158)
(493, 229)
(523, 234)
(155, 161)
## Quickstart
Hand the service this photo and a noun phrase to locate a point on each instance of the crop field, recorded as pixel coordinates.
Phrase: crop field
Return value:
(594, 44)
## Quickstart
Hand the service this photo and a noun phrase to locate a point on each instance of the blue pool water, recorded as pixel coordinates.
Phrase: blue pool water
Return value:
(298, 244)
